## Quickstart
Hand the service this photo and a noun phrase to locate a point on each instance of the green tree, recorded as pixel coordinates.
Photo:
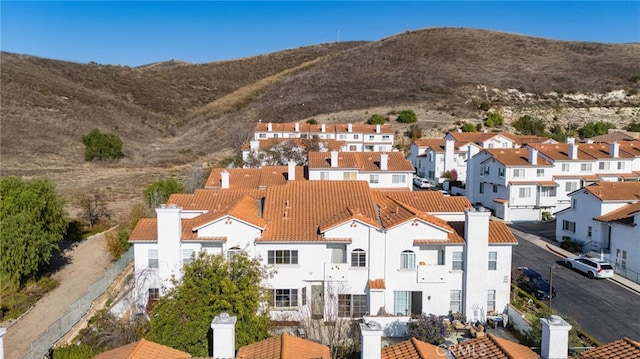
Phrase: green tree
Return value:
(102, 146)
(633, 126)
(494, 118)
(468, 127)
(158, 192)
(33, 223)
(210, 285)
(528, 125)
(592, 129)
(407, 116)
(376, 119)
(312, 121)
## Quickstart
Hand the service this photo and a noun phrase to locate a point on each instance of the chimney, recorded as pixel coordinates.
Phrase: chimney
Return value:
(224, 179)
(533, 156)
(169, 229)
(254, 145)
(377, 128)
(323, 127)
(292, 171)
(476, 236)
(614, 149)
(349, 127)
(334, 159)
(449, 150)
(571, 140)
(555, 338)
(297, 127)
(2, 331)
(573, 151)
(371, 340)
(384, 161)
(223, 327)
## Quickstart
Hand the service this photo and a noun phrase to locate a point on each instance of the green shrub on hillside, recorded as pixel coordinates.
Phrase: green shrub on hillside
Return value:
(528, 125)
(592, 129)
(407, 116)
(102, 146)
(376, 119)
(469, 127)
(494, 118)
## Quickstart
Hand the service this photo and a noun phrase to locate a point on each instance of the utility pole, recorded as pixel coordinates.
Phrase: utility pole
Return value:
(551, 268)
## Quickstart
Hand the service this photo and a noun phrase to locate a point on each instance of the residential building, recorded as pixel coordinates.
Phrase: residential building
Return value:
(605, 216)
(381, 170)
(340, 248)
(356, 137)
(520, 184)
(272, 151)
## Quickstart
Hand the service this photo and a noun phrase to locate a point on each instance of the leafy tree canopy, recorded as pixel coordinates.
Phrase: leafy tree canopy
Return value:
(102, 146)
(528, 125)
(158, 192)
(494, 118)
(376, 119)
(211, 284)
(633, 126)
(33, 223)
(468, 127)
(407, 116)
(592, 129)
(312, 121)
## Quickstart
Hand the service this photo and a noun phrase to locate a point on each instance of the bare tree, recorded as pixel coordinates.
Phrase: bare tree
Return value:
(196, 178)
(93, 206)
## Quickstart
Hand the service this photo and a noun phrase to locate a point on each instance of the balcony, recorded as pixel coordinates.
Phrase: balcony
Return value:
(432, 273)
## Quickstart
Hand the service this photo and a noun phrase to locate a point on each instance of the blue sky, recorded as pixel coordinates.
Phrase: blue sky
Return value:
(138, 33)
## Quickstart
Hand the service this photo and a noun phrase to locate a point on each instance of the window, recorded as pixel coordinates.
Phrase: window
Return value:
(493, 260)
(407, 260)
(486, 170)
(401, 302)
(304, 296)
(154, 294)
(589, 231)
(495, 188)
(540, 172)
(324, 175)
(455, 300)
(431, 156)
(348, 176)
(385, 137)
(282, 257)
(262, 135)
(565, 167)
(491, 300)
(399, 179)
(285, 298)
(432, 175)
(481, 189)
(352, 305)
(569, 226)
(570, 186)
(371, 138)
(359, 258)
(518, 172)
(548, 192)
(620, 165)
(356, 137)
(524, 192)
(621, 258)
(574, 203)
(374, 179)
(603, 165)
(501, 171)
(275, 135)
(353, 148)
(153, 258)
(368, 148)
(585, 167)
(457, 262)
(342, 136)
(187, 256)
(232, 252)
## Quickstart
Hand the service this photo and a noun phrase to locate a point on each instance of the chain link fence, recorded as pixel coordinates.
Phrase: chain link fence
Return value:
(40, 347)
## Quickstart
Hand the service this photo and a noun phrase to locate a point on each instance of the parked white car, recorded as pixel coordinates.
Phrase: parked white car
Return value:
(593, 267)
(421, 182)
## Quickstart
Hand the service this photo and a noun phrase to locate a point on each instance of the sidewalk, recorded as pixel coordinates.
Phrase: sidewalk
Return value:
(552, 247)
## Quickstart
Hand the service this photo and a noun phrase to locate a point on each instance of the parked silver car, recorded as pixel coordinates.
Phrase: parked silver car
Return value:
(421, 182)
(593, 267)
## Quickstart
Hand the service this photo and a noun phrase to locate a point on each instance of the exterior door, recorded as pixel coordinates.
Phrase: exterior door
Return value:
(317, 301)
(416, 303)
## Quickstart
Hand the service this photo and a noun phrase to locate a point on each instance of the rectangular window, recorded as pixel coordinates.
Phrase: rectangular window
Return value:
(154, 294)
(495, 188)
(303, 295)
(501, 171)
(262, 135)
(352, 305)
(621, 258)
(285, 298)
(603, 165)
(570, 186)
(324, 175)
(152, 254)
(407, 260)
(565, 167)
(620, 165)
(493, 260)
(401, 302)
(518, 172)
(524, 192)
(348, 176)
(569, 226)
(371, 138)
(491, 300)
(358, 258)
(457, 262)
(356, 137)
(342, 136)
(187, 256)
(374, 179)
(455, 301)
(353, 148)
(574, 203)
(585, 167)
(486, 170)
(275, 135)
(385, 137)
(282, 257)
(540, 172)
(368, 148)
(481, 189)
(589, 231)
(399, 179)
(344, 305)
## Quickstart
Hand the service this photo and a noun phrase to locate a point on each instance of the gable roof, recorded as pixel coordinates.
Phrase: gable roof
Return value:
(480, 137)
(362, 161)
(284, 346)
(617, 135)
(499, 233)
(253, 178)
(514, 157)
(143, 349)
(412, 349)
(614, 191)
(492, 347)
(431, 201)
(624, 348)
(622, 215)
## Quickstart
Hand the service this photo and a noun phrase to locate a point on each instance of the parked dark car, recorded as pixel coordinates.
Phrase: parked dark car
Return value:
(533, 283)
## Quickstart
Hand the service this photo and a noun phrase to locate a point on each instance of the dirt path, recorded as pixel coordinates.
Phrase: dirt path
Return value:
(86, 263)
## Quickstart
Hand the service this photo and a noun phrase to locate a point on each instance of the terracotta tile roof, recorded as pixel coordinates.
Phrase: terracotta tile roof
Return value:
(631, 147)
(600, 151)
(146, 230)
(436, 143)
(499, 233)
(377, 284)
(245, 208)
(624, 348)
(207, 199)
(514, 157)
(538, 183)
(617, 135)
(413, 349)
(329, 144)
(143, 349)
(586, 151)
(492, 347)
(363, 161)
(453, 237)
(500, 200)
(615, 191)
(249, 178)
(393, 212)
(431, 201)
(479, 137)
(624, 214)
(284, 346)
(329, 128)
(527, 139)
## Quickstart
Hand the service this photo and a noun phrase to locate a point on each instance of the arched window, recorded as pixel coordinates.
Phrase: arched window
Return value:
(232, 252)
(358, 258)
(407, 260)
